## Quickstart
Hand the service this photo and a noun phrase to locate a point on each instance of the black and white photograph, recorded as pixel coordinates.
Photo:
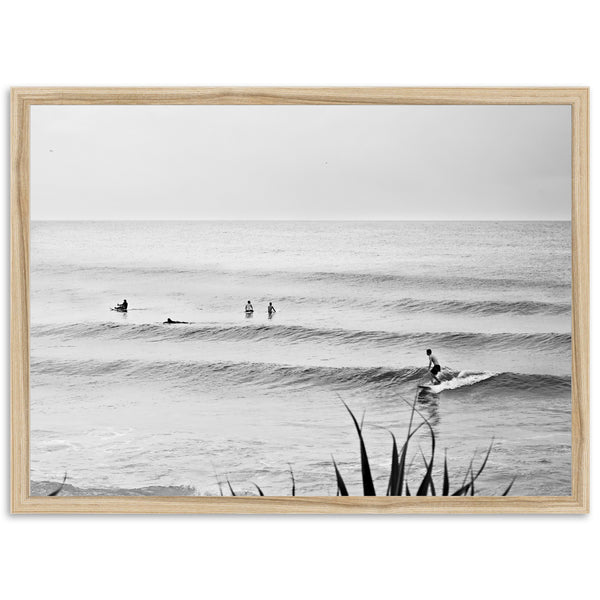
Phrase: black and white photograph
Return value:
(293, 300)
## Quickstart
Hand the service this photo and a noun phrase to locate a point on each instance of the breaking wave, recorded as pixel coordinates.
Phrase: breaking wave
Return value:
(292, 334)
(280, 376)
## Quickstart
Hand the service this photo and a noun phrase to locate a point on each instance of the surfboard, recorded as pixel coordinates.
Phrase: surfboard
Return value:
(118, 309)
(433, 389)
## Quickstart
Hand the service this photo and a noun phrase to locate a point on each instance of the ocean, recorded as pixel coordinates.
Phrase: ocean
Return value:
(127, 405)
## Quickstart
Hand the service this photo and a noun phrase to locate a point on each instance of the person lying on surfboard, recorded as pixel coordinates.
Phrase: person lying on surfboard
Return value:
(170, 321)
(436, 366)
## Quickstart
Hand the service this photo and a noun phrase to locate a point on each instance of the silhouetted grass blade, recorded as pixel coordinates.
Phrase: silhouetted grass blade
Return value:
(60, 487)
(402, 467)
(340, 482)
(368, 487)
(394, 470)
(293, 480)
(260, 492)
(218, 481)
(423, 487)
(230, 488)
(464, 490)
(427, 480)
(509, 486)
(485, 459)
(446, 483)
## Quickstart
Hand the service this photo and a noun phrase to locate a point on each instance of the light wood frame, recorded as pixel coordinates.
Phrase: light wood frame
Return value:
(21, 101)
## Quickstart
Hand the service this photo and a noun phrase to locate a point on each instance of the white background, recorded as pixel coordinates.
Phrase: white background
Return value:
(306, 43)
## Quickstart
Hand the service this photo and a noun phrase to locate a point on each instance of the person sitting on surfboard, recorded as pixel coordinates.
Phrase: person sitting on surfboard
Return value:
(271, 310)
(436, 366)
(123, 305)
(249, 307)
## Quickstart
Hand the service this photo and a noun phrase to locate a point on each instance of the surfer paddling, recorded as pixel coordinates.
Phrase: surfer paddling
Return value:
(436, 366)
(170, 321)
(122, 307)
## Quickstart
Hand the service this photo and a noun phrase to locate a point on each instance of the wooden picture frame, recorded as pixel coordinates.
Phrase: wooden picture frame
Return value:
(22, 99)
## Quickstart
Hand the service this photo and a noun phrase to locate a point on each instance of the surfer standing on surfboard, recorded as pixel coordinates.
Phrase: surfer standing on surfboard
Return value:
(436, 366)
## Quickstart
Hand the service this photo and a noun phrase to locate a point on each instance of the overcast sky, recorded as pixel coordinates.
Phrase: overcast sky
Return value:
(301, 162)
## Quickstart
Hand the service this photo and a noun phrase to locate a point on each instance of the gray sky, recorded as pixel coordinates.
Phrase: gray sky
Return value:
(301, 162)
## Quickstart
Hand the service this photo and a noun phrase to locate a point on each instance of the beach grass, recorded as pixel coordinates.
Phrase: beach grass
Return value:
(398, 484)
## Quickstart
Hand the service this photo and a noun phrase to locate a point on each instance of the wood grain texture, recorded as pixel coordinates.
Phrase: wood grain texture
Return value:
(302, 505)
(276, 95)
(21, 101)
(19, 299)
(580, 263)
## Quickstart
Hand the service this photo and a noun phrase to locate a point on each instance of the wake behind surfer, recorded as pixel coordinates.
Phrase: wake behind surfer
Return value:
(436, 366)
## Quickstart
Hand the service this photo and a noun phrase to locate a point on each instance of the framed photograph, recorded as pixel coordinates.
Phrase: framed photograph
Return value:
(299, 300)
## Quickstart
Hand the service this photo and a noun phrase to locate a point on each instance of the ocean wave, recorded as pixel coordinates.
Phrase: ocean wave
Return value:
(453, 381)
(281, 376)
(412, 305)
(486, 381)
(295, 334)
(43, 488)
(449, 280)
(428, 281)
(483, 307)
